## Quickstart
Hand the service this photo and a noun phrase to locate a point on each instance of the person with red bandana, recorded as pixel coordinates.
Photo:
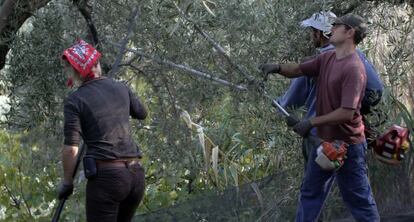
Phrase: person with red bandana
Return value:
(98, 112)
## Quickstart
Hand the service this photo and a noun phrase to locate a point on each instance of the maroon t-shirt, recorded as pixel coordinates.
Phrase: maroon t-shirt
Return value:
(341, 83)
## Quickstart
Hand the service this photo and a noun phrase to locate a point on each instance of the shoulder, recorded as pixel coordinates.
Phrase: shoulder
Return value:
(355, 61)
(354, 69)
(110, 84)
(360, 53)
(327, 48)
(327, 54)
(71, 102)
(72, 97)
(115, 82)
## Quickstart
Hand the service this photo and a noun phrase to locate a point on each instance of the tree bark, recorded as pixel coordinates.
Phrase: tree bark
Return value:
(13, 14)
(6, 10)
(85, 8)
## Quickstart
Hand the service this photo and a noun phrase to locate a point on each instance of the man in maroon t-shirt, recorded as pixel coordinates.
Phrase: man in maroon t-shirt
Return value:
(340, 89)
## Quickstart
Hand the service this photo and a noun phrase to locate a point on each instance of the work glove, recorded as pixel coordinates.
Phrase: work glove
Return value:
(292, 120)
(303, 127)
(267, 68)
(65, 190)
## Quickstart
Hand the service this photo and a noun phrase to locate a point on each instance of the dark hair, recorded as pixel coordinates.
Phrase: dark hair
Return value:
(358, 35)
(321, 32)
(357, 23)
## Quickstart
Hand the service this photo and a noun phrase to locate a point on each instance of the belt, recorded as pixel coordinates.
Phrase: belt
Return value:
(117, 163)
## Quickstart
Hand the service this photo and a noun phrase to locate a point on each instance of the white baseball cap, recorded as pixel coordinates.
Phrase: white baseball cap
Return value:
(321, 20)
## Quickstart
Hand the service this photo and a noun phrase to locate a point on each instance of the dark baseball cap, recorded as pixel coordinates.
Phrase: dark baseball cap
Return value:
(354, 21)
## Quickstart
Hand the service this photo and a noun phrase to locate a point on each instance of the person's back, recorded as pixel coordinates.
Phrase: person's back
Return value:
(99, 112)
(104, 107)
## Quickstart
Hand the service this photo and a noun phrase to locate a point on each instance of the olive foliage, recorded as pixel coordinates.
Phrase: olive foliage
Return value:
(202, 134)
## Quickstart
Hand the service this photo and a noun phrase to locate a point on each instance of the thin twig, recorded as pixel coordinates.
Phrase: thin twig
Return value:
(22, 192)
(14, 199)
(132, 59)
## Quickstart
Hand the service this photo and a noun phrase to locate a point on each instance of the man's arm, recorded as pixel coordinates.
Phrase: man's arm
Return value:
(297, 93)
(338, 116)
(69, 154)
(288, 70)
(291, 70)
(137, 109)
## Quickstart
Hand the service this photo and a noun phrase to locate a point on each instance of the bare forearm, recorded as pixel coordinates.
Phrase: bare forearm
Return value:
(290, 70)
(69, 154)
(338, 116)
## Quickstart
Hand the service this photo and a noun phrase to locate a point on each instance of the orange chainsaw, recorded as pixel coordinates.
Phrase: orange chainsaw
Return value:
(391, 146)
(330, 155)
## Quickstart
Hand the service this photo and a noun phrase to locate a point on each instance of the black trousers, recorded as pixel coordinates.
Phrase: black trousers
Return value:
(115, 193)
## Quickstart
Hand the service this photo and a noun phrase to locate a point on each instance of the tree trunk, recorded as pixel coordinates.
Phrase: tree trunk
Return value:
(5, 11)
(13, 14)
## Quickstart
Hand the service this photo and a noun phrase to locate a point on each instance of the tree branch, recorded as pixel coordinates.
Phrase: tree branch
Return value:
(12, 18)
(216, 45)
(86, 10)
(124, 42)
(5, 11)
(22, 192)
(183, 67)
(12, 196)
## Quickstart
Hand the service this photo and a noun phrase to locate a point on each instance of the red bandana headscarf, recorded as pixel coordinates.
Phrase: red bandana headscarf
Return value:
(82, 56)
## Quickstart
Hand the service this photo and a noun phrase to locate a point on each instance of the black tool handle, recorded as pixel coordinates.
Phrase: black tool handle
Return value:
(59, 208)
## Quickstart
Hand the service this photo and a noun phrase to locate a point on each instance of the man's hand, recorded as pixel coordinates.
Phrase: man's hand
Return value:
(65, 190)
(303, 127)
(292, 120)
(269, 68)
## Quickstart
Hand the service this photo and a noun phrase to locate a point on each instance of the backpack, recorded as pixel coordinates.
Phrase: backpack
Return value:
(374, 87)
(371, 99)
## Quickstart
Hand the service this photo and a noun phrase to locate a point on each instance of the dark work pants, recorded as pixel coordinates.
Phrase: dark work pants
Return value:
(115, 193)
(308, 144)
(353, 183)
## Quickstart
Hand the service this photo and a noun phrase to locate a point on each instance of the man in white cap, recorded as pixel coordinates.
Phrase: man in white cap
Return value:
(303, 90)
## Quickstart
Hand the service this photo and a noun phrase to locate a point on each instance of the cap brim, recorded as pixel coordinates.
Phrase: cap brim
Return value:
(306, 23)
(339, 20)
